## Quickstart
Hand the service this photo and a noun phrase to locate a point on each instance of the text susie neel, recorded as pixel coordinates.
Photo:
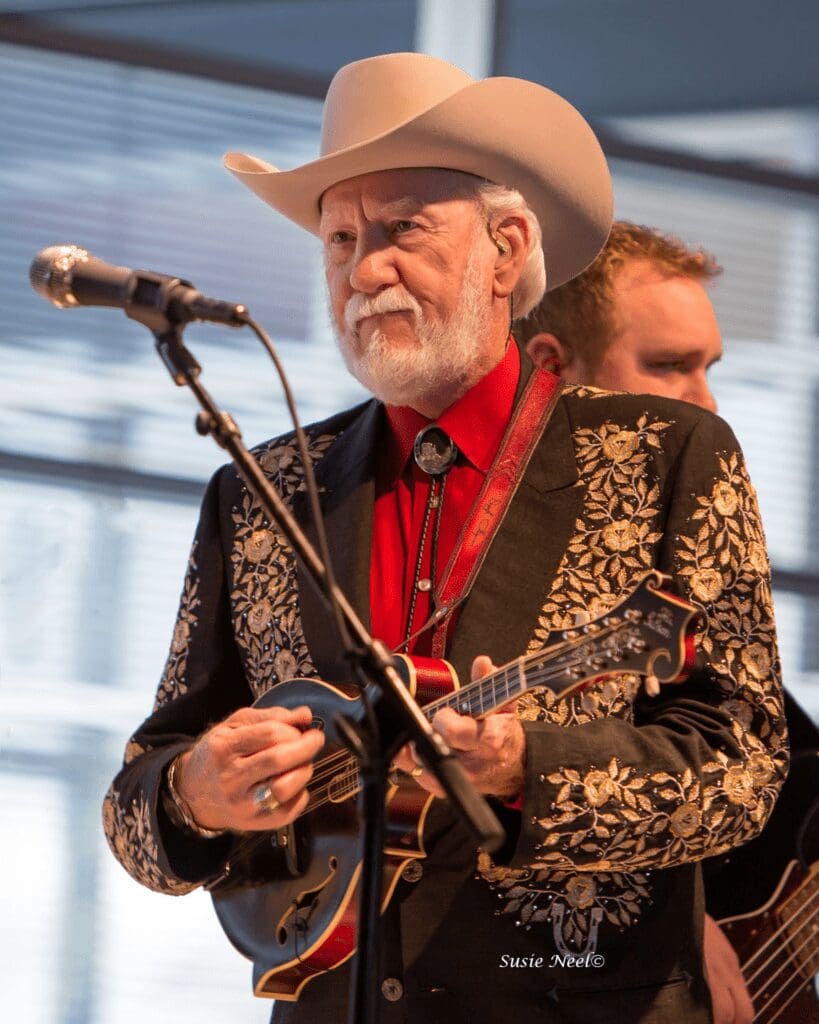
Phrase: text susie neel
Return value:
(555, 960)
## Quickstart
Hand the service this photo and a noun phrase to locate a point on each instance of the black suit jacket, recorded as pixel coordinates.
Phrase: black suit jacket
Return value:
(624, 794)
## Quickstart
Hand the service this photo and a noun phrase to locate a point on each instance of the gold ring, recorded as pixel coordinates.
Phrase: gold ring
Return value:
(418, 770)
(264, 800)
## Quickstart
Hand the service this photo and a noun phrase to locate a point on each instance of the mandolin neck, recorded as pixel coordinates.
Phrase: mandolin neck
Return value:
(650, 633)
(489, 693)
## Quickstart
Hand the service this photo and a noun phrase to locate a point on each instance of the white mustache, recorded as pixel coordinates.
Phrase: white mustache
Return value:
(391, 300)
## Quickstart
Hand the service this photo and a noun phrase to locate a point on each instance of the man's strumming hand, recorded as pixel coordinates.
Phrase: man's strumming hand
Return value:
(218, 776)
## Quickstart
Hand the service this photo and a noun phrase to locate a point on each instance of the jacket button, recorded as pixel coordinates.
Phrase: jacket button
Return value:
(392, 989)
(413, 872)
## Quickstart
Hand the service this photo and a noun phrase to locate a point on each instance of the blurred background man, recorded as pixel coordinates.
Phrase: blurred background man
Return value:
(640, 319)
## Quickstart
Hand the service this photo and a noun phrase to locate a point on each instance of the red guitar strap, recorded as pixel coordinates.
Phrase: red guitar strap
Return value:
(528, 422)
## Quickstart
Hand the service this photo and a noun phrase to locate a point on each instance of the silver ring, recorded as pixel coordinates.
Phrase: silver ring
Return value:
(264, 800)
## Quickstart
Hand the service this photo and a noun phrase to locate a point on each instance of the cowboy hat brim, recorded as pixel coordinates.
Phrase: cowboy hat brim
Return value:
(506, 130)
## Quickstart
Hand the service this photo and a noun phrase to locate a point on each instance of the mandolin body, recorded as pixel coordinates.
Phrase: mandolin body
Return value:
(291, 905)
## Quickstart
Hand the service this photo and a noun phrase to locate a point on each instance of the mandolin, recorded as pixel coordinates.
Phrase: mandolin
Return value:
(288, 900)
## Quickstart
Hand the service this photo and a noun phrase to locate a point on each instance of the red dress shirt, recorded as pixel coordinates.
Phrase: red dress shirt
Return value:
(476, 423)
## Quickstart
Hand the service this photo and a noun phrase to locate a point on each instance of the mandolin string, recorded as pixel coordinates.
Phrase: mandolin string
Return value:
(342, 759)
(789, 979)
(475, 705)
(536, 679)
(777, 934)
(801, 983)
(474, 691)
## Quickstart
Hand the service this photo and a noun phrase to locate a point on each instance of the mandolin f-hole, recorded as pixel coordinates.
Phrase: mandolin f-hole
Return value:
(298, 912)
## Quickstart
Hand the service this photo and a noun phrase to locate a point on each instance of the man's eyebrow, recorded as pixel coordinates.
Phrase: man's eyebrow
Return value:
(403, 206)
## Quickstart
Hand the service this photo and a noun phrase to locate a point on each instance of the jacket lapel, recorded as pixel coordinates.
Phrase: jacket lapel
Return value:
(500, 613)
(345, 477)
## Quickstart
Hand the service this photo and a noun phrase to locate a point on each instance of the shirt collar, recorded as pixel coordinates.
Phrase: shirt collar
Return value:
(476, 422)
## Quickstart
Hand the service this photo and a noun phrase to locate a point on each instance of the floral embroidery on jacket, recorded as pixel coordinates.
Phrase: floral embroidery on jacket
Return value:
(173, 684)
(725, 566)
(133, 749)
(264, 592)
(130, 836)
(615, 819)
(614, 816)
(613, 696)
(267, 630)
(613, 545)
(570, 901)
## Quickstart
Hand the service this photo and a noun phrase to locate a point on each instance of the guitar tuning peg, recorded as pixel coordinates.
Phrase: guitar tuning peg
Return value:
(652, 685)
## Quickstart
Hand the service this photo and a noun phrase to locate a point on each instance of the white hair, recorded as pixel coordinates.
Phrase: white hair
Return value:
(498, 200)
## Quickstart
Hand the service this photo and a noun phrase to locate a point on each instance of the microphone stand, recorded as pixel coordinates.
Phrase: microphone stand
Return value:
(373, 664)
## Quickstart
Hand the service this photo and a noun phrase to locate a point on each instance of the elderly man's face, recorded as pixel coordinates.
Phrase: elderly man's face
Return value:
(410, 267)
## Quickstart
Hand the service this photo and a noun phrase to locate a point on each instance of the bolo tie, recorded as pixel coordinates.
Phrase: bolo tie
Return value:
(434, 453)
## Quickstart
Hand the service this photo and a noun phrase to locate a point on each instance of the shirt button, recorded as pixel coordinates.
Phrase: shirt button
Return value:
(392, 989)
(424, 585)
(413, 872)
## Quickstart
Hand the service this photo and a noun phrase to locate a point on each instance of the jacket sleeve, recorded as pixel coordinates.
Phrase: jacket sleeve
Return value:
(202, 683)
(698, 768)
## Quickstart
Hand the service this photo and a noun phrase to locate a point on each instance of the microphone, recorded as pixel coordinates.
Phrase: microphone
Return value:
(69, 276)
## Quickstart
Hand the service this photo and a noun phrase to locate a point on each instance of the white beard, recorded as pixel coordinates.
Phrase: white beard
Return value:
(449, 357)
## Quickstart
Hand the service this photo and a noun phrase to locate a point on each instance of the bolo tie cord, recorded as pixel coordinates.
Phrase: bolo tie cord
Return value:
(435, 502)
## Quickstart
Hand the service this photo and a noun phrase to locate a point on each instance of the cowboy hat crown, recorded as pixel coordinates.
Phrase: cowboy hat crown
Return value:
(410, 110)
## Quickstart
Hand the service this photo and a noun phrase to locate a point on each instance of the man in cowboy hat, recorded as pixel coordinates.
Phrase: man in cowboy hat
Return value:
(443, 204)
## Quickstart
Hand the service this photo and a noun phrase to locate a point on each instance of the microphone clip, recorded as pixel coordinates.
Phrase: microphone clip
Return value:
(162, 303)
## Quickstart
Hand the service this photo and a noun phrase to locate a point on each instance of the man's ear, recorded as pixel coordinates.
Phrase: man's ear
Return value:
(548, 352)
(511, 238)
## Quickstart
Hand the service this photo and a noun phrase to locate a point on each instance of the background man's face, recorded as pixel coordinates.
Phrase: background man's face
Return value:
(666, 337)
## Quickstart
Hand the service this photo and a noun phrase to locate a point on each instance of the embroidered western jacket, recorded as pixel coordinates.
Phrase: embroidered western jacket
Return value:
(623, 794)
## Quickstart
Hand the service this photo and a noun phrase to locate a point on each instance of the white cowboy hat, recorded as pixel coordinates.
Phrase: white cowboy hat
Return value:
(411, 110)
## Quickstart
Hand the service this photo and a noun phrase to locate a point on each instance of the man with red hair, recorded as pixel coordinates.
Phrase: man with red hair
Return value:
(639, 319)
